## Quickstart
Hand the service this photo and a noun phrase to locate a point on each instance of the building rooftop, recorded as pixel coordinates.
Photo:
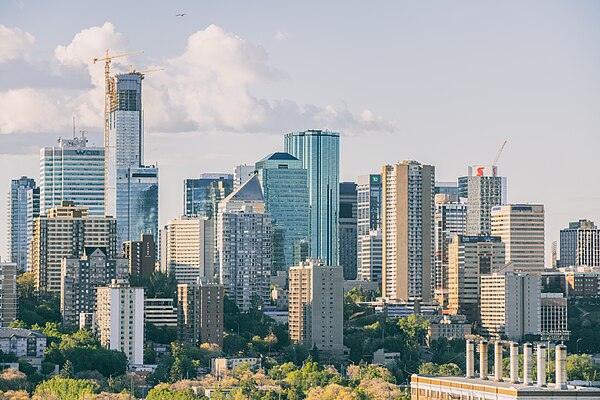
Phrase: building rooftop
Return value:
(461, 382)
(19, 332)
(249, 191)
(279, 156)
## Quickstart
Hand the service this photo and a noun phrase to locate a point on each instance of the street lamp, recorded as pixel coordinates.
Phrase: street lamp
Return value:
(577, 345)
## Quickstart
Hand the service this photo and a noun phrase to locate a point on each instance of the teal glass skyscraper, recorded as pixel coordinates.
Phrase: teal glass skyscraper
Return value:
(319, 152)
(285, 188)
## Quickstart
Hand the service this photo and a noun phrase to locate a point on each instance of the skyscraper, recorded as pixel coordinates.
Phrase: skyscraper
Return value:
(319, 152)
(81, 277)
(120, 319)
(348, 235)
(368, 227)
(131, 188)
(407, 226)
(469, 258)
(141, 255)
(521, 228)
(8, 293)
(580, 244)
(72, 171)
(485, 190)
(450, 220)
(200, 313)
(316, 306)
(285, 189)
(190, 249)
(65, 232)
(244, 246)
(198, 194)
(18, 218)
(241, 174)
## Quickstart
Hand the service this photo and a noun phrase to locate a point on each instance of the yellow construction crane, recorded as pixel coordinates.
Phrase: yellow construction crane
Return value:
(145, 71)
(109, 85)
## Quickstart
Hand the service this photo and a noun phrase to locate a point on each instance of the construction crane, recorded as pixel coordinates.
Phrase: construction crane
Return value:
(109, 85)
(145, 71)
(499, 152)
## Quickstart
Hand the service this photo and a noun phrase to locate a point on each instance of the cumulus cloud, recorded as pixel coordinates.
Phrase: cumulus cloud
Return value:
(207, 88)
(14, 43)
(281, 35)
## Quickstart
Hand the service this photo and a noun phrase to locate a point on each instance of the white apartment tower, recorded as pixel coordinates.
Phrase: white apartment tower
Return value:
(368, 226)
(316, 306)
(510, 305)
(120, 319)
(244, 246)
(190, 249)
(485, 190)
(580, 244)
(408, 234)
(521, 227)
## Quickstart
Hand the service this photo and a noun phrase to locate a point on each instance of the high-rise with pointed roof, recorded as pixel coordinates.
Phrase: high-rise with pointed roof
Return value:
(285, 188)
(244, 246)
(319, 152)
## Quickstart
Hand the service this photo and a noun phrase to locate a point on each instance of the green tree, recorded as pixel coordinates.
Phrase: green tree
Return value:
(26, 285)
(64, 389)
(581, 367)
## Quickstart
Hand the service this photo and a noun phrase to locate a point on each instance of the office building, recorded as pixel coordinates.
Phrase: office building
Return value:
(316, 307)
(368, 225)
(241, 174)
(190, 249)
(120, 319)
(160, 312)
(74, 172)
(33, 211)
(407, 231)
(285, 189)
(131, 187)
(580, 244)
(8, 293)
(554, 317)
(244, 246)
(80, 279)
(371, 256)
(348, 233)
(65, 232)
(485, 190)
(521, 227)
(510, 305)
(319, 152)
(469, 258)
(200, 313)
(141, 255)
(450, 220)
(18, 219)
(449, 188)
(202, 194)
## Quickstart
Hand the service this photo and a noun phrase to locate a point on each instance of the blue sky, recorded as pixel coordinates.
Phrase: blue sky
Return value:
(441, 82)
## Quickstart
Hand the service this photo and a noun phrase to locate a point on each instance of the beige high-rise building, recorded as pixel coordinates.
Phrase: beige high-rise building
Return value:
(200, 313)
(316, 306)
(521, 227)
(120, 319)
(470, 257)
(190, 249)
(407, 230)
(8, 293)
(64, 233)
(510, 305)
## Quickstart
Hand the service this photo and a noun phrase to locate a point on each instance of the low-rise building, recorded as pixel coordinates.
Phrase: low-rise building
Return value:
(8, 293)
(448, 327)
(22, 342)
(387, 359)
(220, 365)
(554, 317)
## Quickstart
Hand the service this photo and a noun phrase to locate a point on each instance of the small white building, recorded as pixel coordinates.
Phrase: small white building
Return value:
(220, 365)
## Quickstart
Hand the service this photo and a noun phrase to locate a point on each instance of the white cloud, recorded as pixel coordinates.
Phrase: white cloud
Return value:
(281, 35)
(205, 89)
(14, 43)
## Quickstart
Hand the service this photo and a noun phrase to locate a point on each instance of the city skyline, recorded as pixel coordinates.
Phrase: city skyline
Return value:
(535, 86)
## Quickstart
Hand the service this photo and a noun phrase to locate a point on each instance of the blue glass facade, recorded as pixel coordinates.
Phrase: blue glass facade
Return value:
(19, 217)
(143, 204)
(319, 152)
(200, 195)
(284, 183)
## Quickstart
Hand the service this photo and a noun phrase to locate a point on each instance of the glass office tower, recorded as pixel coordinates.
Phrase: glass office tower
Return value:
(285, 189)
(200, 194)
(319, 152)
(131, 187)
(18, 219)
